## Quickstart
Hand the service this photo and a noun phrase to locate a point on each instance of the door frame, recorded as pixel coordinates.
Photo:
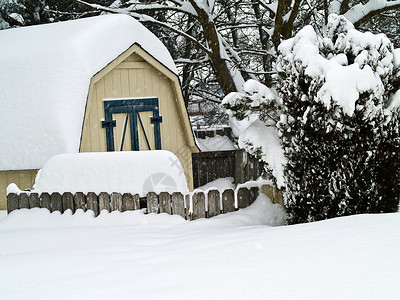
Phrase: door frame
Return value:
(132, 107)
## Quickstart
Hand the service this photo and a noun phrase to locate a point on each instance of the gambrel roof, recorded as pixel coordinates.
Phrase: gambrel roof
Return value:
(45, 76)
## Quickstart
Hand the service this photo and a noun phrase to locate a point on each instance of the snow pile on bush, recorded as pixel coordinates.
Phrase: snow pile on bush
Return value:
(257, 132)
(345, 61)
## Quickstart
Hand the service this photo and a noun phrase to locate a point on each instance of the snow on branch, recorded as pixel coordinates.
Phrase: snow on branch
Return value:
(271, 7)
(147, 19)
(183, 7)
(361, 13)
(238, 26)
(191, 61)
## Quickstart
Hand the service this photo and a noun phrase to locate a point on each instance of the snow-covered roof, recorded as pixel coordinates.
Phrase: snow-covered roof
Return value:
(44, 81)
(124, 172)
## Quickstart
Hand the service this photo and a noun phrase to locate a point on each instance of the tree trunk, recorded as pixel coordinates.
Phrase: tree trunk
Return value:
(220, 64)
(284, 29)
(264, 38)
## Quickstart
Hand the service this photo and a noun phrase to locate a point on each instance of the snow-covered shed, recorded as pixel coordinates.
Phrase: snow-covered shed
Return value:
(97, 84)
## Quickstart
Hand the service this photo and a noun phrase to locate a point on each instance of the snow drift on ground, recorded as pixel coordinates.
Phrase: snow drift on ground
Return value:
(44, 82)
(124, 172)
(234, 256)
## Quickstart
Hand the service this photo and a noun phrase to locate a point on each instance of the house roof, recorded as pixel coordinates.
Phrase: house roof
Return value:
(44, 82)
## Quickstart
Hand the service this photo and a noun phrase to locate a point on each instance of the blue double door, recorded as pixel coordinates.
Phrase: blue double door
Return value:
(132, 124)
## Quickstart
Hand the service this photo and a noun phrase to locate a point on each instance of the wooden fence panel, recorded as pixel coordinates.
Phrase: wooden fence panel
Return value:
(243, 197)
(104, 201)
(178, 204)
(199, 206)
(23, 200)
(92, 203)
(45, 201)
(214, 200)
(12, 202)
(228, 201)
(80, 201)
(191, 207)
(128, 202)
(116, 202)
(56, 202)
(165, 203)
(34, 200)
(67, 202)
(152, 203)
(208, 166)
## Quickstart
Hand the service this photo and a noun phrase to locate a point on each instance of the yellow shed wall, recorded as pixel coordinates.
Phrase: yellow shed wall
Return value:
(23, 179)
(135, 77)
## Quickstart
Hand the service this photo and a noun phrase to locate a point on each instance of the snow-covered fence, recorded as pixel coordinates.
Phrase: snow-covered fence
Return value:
(203, 133)
(191, 206)
(209, 166)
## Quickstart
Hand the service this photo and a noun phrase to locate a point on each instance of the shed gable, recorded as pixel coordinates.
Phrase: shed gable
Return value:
(135, 74)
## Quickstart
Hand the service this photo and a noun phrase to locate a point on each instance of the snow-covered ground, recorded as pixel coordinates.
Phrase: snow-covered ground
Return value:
(235, 256)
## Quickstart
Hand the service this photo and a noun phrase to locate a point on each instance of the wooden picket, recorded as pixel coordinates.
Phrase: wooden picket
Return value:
(67, 201)
(34, 200)
(178, 204)
(56, 202)
(243, 197)
(104, 201)
(214, 203)
(199, 204)
(152, 203)
(80, 201)
(128, 202)
(228, 201)
(45, 201)
(165, 203)
(92, 203)
(191, 206)
(116, 202)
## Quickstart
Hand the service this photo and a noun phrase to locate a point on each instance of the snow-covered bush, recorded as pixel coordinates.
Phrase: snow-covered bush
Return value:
(340, 141)
(339, 122)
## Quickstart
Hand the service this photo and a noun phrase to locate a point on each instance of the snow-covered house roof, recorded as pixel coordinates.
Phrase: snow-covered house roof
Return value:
(44, 82)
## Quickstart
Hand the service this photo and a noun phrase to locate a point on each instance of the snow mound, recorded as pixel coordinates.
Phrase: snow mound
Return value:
(44, 82)
(124, 172)
(261, 213)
